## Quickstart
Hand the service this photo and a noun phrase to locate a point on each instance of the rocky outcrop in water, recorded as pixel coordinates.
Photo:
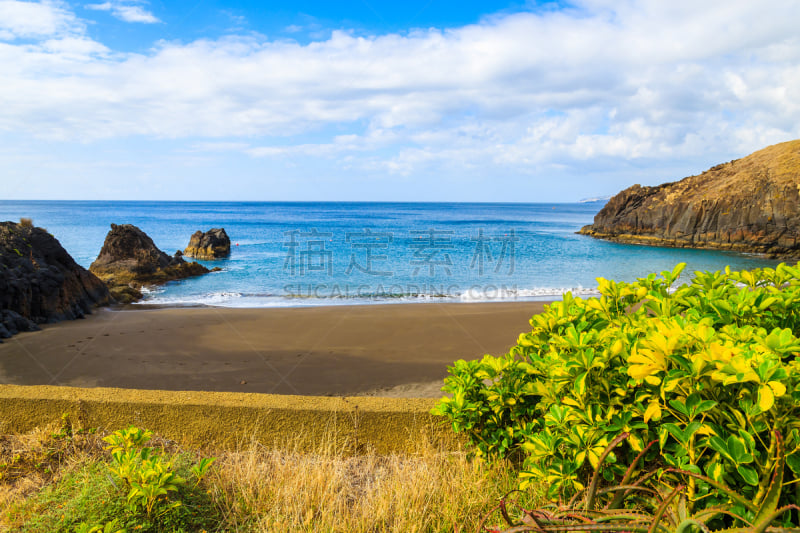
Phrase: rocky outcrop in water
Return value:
(213, 244)
(129, 259)
(40, 282)
(749, 205)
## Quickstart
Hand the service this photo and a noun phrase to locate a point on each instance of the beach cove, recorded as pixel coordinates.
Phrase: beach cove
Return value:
(325, 298)
(387, 350)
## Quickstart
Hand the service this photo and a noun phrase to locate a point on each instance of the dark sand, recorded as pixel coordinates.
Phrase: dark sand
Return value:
(386, 350)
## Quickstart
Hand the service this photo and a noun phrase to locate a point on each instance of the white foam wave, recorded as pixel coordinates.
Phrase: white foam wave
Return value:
(477, 294)
(471, 295)
(147, 291)
(214, 298)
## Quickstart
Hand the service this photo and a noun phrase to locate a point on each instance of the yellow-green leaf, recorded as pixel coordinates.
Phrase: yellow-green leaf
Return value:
(653, 411)
(766, 399)
(778, 388)
(653, 380)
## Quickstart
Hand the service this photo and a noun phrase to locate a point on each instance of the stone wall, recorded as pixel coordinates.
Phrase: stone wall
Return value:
(225, 420)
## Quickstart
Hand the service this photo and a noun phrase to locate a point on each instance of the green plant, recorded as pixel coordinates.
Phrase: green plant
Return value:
(707, 369)
(109, 527)
(643, 503)
(149, 476)
(200, 469)
(87, 496)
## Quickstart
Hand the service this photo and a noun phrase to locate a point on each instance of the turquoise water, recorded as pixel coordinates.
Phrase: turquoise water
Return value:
(297, 254)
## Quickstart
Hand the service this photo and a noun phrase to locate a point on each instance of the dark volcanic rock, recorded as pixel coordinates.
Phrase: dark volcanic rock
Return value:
(128, 249)
(130, 259)
(750, 205)
(212, 244)
(40, 282)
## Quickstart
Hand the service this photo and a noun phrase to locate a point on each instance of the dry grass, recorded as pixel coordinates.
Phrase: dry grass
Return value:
(30, 461)
(259, 489)
(430, 490)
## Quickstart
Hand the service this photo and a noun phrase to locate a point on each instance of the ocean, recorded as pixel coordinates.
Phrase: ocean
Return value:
(289, 254)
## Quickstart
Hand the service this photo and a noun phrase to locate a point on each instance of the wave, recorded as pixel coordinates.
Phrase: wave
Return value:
(262, 300)
(148, 290)
(221, 299)
(539, 293)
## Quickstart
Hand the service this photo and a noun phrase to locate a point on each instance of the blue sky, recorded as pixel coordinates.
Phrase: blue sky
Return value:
(304, 21)
(422, 100)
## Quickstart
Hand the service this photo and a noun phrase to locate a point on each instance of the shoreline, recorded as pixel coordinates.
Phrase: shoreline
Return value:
(386, 350)
(324, 303)
(237, 300)
(643, 239)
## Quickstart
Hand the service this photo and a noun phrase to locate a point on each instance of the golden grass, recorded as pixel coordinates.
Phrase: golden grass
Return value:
(430, 490)
(31, 460)
(256, 488)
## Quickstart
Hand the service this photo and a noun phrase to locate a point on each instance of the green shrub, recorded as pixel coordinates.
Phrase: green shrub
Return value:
(153, 484)
(645, 504)
(140, 489)
(149, 477)
(708, 369)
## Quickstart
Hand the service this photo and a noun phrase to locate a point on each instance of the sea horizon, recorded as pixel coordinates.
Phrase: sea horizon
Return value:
(312, 253)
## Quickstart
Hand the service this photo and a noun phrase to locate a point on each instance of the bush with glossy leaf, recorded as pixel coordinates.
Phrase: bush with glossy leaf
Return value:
(709, 369)
(643, 503)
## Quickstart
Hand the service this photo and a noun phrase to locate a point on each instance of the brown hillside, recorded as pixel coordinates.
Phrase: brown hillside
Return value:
(750, 204)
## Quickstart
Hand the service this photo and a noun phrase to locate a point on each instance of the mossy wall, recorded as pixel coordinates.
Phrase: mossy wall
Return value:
(229, 420)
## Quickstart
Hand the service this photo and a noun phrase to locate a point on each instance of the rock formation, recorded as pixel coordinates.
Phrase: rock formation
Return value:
(212, 244)
(130, 259)
(40, 282)
(749, 205)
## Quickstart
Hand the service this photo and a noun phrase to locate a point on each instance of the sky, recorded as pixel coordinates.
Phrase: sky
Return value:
(367, 100)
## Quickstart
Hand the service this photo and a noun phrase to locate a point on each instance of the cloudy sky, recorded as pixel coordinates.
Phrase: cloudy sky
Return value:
(428, 100)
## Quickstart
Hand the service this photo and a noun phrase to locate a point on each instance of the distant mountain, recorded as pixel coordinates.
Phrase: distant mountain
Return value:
(750, 205)
(594, 199)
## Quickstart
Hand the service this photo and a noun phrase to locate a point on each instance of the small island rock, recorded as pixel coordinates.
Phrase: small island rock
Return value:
(212, 244)
(130, 259)
(40, 282)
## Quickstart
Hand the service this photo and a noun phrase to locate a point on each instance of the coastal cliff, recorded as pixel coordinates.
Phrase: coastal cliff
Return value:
(130, 259)
(40, 282)
(748, 205)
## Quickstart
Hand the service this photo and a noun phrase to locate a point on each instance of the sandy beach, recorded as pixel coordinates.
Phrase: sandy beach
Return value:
(388, 350)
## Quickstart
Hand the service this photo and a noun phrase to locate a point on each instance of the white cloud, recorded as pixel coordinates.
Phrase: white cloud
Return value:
(35, 19)
(73, 48)
(605, 81)
(126, 11)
